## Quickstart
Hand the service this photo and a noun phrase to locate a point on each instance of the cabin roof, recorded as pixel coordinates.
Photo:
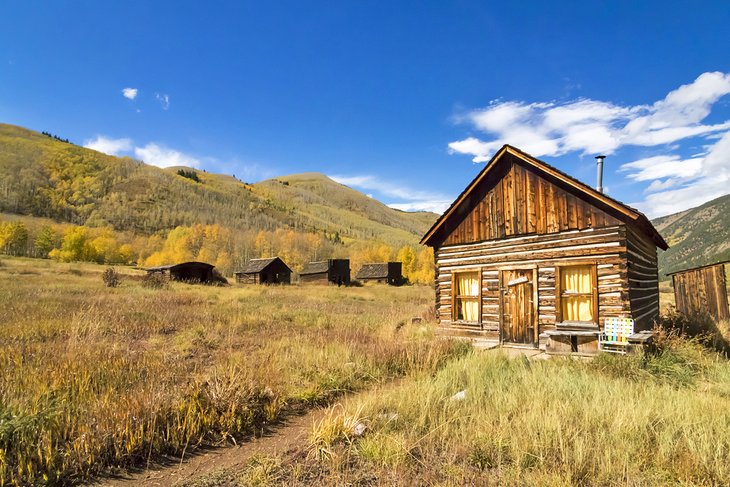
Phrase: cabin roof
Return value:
(316, 267)
(378, 270)
(255, 266)
(620, 210)
(699, 267)
(167, 267)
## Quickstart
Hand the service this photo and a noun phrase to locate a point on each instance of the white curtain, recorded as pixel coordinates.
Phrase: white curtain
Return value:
(577, 293)
(467, 285)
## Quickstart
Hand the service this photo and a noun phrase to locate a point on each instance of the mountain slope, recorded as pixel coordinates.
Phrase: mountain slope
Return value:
(43, 177)
(697, 236)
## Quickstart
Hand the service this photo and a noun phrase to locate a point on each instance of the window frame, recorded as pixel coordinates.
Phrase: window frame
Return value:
(559, 319)
(455, 296)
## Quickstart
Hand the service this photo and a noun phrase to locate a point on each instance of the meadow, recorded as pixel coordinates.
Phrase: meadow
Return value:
(94, 378)
(486, 419)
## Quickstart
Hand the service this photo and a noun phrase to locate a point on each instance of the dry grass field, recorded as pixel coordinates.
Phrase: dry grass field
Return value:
(93, 378)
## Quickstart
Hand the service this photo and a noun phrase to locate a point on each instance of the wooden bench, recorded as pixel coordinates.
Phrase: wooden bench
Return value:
(566, 342)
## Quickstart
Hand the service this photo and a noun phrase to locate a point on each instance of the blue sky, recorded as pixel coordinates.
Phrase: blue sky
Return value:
(399, 99)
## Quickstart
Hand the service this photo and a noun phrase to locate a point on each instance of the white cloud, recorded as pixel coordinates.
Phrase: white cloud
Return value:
(110, 146)
(410, 200)
(130, 93)
(164, 100)
(591, 126)
(666, 166)
(435, 206)
(680, 184)
(673, 183)
(162, 156)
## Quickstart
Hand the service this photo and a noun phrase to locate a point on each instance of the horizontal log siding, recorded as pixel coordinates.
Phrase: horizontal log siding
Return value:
(605, 246)
(643, 279)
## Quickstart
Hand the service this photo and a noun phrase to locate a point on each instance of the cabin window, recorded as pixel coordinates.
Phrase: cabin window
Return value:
(466, 296)
(577, 293)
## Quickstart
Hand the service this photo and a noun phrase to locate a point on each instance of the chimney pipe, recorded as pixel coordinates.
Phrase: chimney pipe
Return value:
(599, 173)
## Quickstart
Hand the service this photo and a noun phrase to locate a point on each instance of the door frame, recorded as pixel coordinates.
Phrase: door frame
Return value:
(535, 303)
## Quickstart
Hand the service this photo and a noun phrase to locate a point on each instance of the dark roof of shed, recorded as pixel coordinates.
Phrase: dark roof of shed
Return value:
(315, 267)
(254, 266)
(619, 209)
(373, 271)
(722, 262)
(182, 264)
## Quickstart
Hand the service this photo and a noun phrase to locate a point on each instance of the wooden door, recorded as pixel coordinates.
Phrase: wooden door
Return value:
(518, 305)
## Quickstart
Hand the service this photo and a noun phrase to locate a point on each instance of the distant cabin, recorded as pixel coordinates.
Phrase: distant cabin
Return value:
(264, 271)
(193, 272)
(383, 272)
(331, 271)
(527, 252)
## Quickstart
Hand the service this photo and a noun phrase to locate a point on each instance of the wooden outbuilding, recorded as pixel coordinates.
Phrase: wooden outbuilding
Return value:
(527, 253)
(272, 270)
(331, 271)
(702, 290)
(193, 272)
(383, 272)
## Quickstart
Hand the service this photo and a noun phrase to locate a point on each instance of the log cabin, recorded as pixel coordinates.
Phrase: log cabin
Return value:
(527, 254)
(382, 272)
(272, 270)
(331, 271)
(191, 272)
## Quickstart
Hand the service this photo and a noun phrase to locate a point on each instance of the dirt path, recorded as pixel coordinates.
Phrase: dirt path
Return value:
(288, 436)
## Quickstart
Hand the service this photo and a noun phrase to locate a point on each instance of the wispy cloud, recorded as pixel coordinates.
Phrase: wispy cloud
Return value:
(107, 145)
(130, 93)
(678, 184)
(407, 198)
(673, 182)
(164, 100)
(592, 126)
(161, 156)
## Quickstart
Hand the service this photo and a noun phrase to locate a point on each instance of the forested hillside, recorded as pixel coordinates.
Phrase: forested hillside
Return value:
(697, 236)
(161, 215)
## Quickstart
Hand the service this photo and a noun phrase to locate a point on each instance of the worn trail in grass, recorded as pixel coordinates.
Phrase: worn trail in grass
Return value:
(290, 438)
(95, 378)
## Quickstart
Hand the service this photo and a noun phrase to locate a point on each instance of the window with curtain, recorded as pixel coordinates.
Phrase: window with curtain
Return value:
(466, 296)
(576, 293)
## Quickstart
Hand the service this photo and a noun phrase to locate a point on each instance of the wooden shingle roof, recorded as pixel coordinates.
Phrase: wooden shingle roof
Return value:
(315, 267)
(255, 266)
(373, 271)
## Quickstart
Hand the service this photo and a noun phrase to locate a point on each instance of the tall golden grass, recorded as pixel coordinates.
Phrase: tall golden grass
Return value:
(645, 420)
(94, 377)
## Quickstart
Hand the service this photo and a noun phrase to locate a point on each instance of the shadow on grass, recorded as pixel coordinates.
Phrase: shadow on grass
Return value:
(700, 326)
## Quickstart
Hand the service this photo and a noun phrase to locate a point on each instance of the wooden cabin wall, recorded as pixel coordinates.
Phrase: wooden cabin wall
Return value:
(523, 203)
(318, 278)
(643, 274)
(247, 278)
(702, 290)
(605, 247)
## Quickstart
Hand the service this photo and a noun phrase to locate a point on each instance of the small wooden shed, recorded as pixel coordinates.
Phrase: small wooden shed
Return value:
(527, 252)
(331, 271)
(702, 290)
(383, 272)
(192, 272)
(272, 270)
